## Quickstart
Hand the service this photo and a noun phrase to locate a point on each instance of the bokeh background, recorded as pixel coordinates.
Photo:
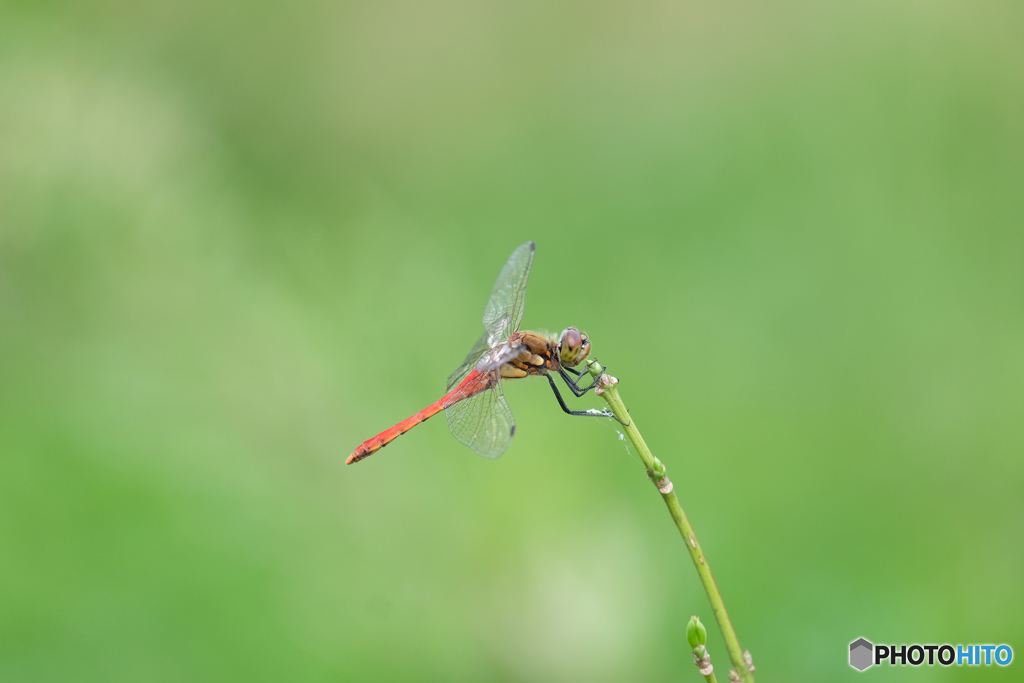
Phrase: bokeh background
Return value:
(237, 239)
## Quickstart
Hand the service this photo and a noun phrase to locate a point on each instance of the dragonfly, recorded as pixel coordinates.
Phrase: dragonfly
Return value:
(478, 414)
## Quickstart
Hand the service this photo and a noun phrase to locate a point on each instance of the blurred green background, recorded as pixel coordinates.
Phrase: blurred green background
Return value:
(237, 239)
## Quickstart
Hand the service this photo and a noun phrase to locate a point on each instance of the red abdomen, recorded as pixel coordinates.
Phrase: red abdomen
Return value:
(470, 386)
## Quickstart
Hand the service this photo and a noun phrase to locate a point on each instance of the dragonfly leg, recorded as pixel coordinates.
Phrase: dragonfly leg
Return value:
(580, 413)
(574, 385)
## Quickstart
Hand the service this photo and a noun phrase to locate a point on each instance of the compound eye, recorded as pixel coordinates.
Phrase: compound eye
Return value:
(572, 338)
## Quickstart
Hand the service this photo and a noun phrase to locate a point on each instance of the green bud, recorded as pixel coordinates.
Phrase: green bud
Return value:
(696, 634)
(659, 470)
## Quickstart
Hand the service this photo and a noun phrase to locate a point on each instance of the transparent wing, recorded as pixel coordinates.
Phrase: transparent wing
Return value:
(484, 359)
(504, 311)
(481, 418)
(478, 350)
(483, 421)
(494, 358)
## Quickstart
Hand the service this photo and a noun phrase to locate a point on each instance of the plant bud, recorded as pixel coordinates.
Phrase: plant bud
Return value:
(696, 634)
(659, 470)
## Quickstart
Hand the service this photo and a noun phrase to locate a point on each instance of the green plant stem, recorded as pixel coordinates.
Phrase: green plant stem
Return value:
(656, 471)
(710, 678)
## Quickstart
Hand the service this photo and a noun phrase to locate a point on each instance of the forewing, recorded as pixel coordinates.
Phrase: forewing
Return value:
(504, 311)
(483, 421)
(478, 350)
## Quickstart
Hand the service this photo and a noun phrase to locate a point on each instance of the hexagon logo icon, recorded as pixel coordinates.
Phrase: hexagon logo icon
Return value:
(861, 654)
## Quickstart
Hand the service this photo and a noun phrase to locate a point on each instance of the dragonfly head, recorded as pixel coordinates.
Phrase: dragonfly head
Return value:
(573, 346)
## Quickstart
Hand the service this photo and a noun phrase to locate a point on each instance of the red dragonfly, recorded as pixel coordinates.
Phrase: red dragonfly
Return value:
(478, 414)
